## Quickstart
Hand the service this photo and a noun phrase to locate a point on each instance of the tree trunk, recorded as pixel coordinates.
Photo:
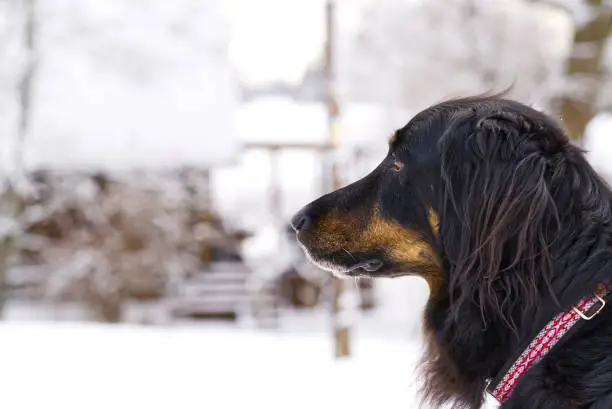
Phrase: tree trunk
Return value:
(585, 71)
(341, 325)
(26, 82)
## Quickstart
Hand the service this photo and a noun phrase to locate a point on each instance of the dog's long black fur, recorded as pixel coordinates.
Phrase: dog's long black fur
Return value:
(524, 231)
(526, 234)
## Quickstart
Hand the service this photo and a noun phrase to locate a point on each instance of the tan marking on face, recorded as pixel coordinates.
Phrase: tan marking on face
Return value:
(434, 221)
(341, 232)
(393, 138)
(434, 281)
(401, 243)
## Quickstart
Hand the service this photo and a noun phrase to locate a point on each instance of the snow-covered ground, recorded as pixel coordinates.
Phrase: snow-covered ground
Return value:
(94, 366)
(52, 358)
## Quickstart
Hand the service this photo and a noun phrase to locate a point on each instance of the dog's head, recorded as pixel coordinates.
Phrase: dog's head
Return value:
(385, 224)
(466, 193)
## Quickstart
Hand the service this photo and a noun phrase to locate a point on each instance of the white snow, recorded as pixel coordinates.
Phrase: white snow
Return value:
(72, 366)
(132, 84)
(275, 39)
(598, 144)
(278, 119)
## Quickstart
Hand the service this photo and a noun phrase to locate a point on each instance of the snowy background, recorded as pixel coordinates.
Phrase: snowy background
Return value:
(153, 151)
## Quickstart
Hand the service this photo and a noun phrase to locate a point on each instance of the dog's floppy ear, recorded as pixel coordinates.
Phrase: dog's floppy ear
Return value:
(498, 215)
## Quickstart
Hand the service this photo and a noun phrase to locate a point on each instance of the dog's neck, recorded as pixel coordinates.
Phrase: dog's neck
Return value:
(465, 349)
(460, 353)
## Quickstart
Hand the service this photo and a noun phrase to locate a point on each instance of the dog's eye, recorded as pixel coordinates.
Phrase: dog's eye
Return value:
(397, 165)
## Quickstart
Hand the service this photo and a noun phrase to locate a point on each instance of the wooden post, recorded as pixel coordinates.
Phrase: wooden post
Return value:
(341, 326)
(275, 186)
(207, 199)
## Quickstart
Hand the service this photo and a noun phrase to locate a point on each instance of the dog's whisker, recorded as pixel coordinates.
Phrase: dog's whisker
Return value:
(350, 254)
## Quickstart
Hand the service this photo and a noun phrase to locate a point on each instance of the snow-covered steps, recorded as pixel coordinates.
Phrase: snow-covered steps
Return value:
(222, 292)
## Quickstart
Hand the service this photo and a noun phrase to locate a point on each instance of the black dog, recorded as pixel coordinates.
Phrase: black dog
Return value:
(488, 201)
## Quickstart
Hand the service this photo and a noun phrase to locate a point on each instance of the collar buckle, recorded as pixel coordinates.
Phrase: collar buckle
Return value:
(546, 339)
(593, 315)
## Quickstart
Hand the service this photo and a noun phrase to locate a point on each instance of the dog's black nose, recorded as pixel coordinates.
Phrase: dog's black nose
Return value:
(300, 221)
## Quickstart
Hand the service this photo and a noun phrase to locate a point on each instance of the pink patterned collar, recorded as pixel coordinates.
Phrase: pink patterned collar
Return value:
(546, 339)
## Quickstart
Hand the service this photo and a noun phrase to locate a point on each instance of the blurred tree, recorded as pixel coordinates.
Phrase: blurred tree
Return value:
(103, 241)
(18, 33)
(553, 53)
(106, 240)
(585, 69)
(408, 55)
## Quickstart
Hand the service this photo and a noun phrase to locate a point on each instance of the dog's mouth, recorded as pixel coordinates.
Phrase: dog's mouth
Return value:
(351, 265)
(343, 264)
(361, 269)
